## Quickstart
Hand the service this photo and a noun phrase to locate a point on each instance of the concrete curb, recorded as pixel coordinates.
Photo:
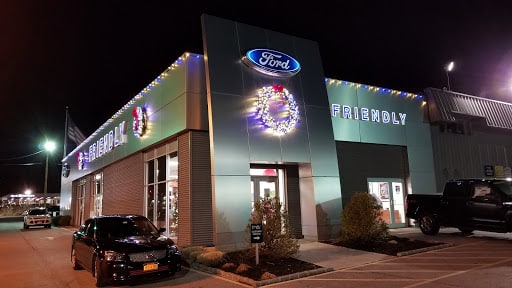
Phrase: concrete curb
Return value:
(253, 283)
(421, 250)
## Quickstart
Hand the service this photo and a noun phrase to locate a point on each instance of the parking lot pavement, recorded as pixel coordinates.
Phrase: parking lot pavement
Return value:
(40, 258)
(482, 259)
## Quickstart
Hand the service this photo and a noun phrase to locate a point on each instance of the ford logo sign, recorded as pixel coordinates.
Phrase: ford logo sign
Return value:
(271, 62)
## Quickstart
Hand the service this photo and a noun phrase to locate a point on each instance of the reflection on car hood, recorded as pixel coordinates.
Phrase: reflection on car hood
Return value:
(138, 243)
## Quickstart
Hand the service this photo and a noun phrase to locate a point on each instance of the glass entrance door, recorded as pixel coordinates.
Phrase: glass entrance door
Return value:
(263, 187)
(389, 193)
(267, 183)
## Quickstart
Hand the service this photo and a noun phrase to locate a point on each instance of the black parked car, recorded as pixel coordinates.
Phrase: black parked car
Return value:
(120, 248)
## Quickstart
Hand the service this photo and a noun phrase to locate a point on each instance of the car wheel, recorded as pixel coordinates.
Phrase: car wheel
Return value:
(100, 281)
(76, 266)
(428, 224)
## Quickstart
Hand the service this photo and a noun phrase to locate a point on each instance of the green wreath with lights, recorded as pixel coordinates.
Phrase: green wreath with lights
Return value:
(277, 92)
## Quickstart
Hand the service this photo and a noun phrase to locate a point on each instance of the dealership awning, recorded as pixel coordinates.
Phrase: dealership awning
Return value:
(449, 106)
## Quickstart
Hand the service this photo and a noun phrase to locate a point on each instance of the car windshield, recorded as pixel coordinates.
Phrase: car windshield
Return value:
(37, 212)
(119, 227)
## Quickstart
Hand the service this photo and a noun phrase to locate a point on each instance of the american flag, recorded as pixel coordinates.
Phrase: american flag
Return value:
(74, 134)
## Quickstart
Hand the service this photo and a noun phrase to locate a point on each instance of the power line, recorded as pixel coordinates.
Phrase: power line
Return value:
(21, 157)
(20, 164)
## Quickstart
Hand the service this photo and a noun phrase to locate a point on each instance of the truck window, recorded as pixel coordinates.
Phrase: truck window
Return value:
(455, 189)
(481, 190)
(504, 186)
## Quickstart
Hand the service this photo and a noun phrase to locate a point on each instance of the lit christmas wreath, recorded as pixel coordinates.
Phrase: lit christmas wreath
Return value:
(139, 121)
(278, 93)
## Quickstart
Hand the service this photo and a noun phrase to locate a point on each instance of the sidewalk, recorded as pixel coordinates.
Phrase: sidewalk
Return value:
(336, 257)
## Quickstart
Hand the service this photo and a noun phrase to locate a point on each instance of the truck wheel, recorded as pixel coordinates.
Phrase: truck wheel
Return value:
(429, 225)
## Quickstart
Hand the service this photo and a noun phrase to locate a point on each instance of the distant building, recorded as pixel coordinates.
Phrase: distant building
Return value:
(52, 199)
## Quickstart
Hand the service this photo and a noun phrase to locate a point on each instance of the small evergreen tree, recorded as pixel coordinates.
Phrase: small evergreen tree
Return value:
(361, 224)
(278, 240)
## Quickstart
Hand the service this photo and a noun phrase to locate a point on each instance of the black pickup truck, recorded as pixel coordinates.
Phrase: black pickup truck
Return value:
(466, 204)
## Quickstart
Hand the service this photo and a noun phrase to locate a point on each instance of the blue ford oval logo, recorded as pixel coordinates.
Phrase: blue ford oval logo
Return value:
(271, 62)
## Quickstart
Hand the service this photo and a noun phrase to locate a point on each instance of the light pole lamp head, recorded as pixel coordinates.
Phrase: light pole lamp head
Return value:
(49, 146)
(449, 66)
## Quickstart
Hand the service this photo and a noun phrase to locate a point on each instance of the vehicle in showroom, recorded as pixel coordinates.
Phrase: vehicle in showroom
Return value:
(122, 248)
(36, 216)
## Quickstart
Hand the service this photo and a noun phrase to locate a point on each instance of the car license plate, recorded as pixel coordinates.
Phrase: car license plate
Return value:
(150, 266)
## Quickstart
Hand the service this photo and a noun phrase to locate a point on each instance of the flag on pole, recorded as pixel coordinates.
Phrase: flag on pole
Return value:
(74, 133)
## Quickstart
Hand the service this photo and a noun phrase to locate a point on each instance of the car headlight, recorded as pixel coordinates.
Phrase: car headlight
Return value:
(113, 256)
(173, 249)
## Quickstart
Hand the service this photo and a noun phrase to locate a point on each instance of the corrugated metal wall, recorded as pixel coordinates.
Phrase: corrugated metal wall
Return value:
(195, 190)
(464, 156)
(124, 186)
(201, 187)
(184, 210)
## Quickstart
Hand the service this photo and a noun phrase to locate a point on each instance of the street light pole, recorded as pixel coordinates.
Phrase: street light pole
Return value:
(45, 180)
(48, 147)
(448, 69)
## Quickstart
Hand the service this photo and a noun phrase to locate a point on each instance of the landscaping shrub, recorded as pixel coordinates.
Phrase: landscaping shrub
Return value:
(186, 251)
(361, 223)
(210, 258)
(278, 240)
(61, 220)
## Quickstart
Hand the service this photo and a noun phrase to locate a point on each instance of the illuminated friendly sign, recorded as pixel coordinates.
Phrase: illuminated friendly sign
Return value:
(271, 62)
(366, 114)
(104, 145)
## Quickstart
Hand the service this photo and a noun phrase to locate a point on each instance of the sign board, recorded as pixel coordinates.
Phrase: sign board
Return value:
(256, 233)
(489, 171)
(508, 172)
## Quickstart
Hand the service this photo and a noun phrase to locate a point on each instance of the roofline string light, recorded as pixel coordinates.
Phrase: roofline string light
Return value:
(139, 96)
(374, 88)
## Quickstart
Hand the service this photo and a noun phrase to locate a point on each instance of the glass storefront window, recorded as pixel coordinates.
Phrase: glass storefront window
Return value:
(150, 172)
(161, 168)
(98, 194)
(162, 193)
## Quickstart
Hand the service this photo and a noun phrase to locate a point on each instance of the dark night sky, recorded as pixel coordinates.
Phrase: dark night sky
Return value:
(94, 56)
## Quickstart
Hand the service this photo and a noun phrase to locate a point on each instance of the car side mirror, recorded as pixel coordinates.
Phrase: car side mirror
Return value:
(161, 230)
